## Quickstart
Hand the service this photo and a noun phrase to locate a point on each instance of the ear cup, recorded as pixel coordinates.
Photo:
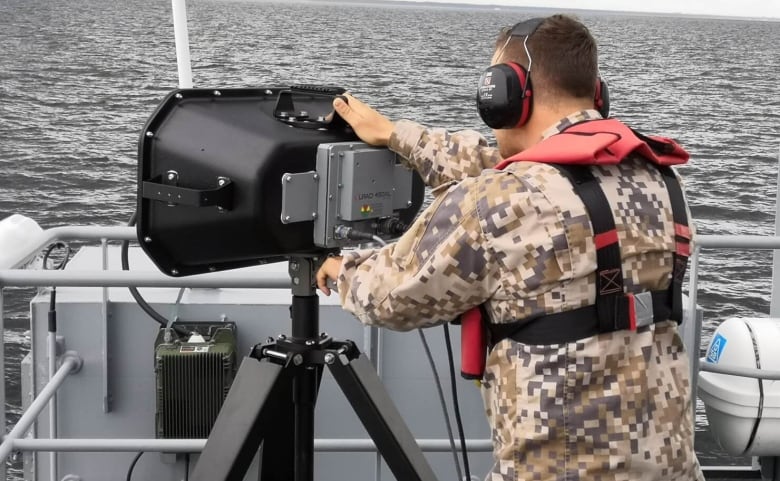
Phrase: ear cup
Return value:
(602, 98)
(504, 96)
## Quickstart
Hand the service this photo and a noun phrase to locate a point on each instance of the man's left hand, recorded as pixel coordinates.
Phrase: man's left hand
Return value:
(328, 271)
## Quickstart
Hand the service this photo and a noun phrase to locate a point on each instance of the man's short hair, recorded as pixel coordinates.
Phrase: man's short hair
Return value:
(564, 57)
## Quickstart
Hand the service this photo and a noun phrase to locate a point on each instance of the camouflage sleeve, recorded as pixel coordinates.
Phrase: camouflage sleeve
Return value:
(440, 156)
(438, 269)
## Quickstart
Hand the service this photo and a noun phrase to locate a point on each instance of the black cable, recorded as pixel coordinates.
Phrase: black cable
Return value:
(60, 266)
(132, 465)
(455, 405)
(186, 466)
(137, 295)
(50, 249)
(440, 391)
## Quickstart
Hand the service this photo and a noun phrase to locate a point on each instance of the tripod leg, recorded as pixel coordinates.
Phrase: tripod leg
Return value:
(277, 461)
(243, 422)
(305, 387)
(360, 383)
(288, 452)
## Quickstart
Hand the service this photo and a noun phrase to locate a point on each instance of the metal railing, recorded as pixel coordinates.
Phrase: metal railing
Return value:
(31, 278)
(71, 363)
(15, 277)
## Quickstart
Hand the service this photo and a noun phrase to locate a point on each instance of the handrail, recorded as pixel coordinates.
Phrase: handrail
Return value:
(767, 374)
(713, 241)
(121, 233)
(31, 278)
(196, 445)
(65, 233)
(70, 364)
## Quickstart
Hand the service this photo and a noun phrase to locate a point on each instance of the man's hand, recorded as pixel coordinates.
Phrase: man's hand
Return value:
(372, 127)
(328, 271)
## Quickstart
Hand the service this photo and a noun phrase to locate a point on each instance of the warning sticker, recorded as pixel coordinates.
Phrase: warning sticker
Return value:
(194, 348)
(716, 348)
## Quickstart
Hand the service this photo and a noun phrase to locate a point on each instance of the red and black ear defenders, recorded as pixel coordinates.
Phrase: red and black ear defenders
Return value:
(504, 92)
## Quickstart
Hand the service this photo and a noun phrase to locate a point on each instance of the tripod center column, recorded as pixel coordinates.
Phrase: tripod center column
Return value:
(305, 305)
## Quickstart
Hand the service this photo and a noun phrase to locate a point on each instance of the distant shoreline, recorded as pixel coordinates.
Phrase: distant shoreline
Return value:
(534, 10)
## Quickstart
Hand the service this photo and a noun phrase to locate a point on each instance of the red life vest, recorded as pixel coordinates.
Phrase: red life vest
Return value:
(599, 142)
(595, 142)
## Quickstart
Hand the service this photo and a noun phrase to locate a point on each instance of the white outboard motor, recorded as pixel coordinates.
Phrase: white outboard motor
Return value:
(743, 412)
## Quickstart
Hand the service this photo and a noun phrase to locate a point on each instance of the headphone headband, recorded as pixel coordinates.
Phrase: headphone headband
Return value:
(526, 28)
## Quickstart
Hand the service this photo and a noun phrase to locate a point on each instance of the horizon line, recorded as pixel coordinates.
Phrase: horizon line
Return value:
(471, 4)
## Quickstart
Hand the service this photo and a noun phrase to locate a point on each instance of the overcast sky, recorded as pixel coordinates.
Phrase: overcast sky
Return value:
(738, 8)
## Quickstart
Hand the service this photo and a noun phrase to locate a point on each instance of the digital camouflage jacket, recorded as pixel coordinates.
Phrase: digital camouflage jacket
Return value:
(611, 407)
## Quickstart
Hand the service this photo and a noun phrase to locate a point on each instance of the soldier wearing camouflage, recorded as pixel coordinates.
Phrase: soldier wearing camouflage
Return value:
(614, 406)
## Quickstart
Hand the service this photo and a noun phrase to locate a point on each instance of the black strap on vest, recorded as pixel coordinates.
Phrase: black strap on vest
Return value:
(682, 240)
(614, 310)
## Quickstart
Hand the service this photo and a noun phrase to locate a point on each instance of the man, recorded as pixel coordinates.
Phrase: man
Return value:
(587, 378)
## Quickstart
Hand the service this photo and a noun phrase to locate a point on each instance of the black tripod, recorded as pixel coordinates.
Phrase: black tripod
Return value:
(276, 387)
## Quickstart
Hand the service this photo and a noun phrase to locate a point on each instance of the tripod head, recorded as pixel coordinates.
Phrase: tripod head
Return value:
(304, 311)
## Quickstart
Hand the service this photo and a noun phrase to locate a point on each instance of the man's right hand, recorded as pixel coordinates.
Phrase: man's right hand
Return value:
(372, 127)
